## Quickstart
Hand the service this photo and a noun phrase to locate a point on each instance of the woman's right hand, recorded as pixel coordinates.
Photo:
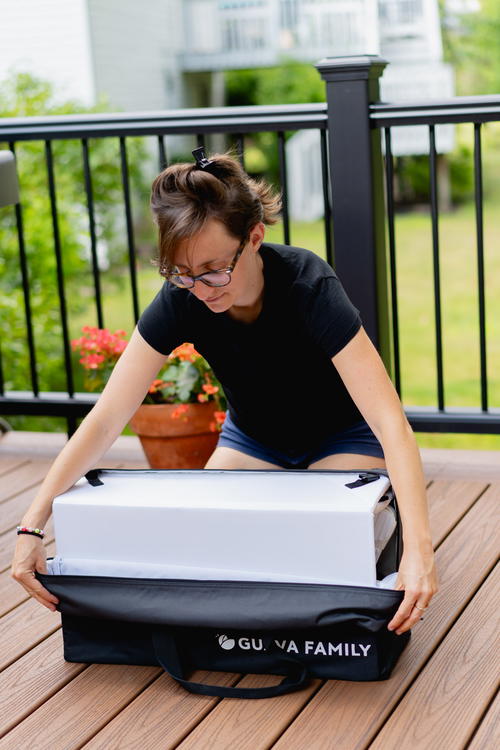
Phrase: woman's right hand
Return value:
(31, 555)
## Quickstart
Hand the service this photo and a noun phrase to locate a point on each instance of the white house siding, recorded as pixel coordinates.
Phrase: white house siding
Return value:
(48, 38)
(410, 31)
(134, 48)
(434, 80)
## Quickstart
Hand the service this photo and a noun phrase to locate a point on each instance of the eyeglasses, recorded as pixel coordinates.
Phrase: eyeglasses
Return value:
(210, 278)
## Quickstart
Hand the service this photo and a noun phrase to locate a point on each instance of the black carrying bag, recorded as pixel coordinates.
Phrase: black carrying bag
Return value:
(293, 629)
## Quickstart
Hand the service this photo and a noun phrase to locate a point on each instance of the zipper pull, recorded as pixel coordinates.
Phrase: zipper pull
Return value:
(364, 478)
(92, 477)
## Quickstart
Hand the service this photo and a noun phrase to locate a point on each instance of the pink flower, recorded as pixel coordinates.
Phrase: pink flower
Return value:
(92, 361)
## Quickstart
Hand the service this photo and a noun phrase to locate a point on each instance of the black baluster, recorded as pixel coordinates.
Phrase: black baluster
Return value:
(326, 198)
(26, 292)
(435, 250)
(93, 239)
(389, 172)
(284, 186)
(478, 191)
(163, 153)
(130, 226)
(59, 267)
(240, 148)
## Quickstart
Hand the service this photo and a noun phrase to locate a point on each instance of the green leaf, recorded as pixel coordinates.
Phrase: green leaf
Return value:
(186, 381)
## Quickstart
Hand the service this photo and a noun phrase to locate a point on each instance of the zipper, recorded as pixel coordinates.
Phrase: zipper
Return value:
(93, 476)
(218, 584)
(364, 478)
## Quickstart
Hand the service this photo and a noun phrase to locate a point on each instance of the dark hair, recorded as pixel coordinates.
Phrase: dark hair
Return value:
(184, 197)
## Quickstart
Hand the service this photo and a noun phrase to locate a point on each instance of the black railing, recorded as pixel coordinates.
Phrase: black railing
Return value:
(355, 221)
(476, 111)
(234, 121)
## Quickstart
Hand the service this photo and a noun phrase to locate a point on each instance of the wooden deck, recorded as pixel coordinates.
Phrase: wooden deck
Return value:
(440, 695)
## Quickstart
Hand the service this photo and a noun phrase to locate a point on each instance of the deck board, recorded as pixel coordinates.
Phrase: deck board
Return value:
(444, 678)
(7, 463)
(161, 716)
(487, 735)
(25, 626)
(448, 502)
(86, 703)
(32, 679)
(232, 724)
(354, 712)
(450, 695)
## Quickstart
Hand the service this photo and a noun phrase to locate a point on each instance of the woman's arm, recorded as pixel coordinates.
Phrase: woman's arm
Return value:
(365, 377)
(122, 395)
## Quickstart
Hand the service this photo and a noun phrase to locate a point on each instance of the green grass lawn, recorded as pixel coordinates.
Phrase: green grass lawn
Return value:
(460, 321)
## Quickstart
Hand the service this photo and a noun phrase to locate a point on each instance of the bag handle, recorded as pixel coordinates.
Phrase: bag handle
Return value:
(168, 657)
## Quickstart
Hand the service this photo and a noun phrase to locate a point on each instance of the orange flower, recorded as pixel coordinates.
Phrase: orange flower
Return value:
(184, 352)
(99, 349)
(179, 411)
(210, 389)
(155, 385)
(219, 420)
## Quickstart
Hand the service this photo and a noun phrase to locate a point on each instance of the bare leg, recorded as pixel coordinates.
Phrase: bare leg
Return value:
(349, 461)
(229, 458)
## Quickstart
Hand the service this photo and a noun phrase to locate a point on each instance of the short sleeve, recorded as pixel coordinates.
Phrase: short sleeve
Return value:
(332, 319)
(160, 323)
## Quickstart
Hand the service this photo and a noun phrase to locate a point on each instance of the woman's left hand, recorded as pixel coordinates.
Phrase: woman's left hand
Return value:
(417, 576)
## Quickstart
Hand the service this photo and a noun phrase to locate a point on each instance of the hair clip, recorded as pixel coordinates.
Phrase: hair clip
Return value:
(202, 162)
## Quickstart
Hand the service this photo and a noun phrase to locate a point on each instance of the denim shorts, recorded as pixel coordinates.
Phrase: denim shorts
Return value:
(358, 438)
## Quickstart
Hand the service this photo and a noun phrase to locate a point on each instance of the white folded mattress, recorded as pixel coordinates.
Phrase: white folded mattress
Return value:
(225, 525)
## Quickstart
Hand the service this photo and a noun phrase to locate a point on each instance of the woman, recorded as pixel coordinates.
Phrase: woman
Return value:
(305, 386)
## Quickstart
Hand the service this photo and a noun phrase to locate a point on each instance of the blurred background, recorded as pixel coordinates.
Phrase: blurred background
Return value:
(67, 57)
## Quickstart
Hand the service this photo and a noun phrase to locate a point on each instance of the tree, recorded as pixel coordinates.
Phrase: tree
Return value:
(291, 82)
(23, 95)
(470, 43)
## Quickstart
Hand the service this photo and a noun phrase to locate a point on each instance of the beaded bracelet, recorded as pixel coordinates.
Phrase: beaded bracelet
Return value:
(29, 530)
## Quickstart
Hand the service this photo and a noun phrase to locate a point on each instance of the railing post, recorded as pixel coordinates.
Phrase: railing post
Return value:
(357, 185)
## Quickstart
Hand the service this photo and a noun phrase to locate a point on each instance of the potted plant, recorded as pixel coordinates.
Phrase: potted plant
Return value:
(182, 413)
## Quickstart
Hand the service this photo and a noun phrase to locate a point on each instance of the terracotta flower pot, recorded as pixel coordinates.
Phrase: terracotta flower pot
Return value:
(184, 442)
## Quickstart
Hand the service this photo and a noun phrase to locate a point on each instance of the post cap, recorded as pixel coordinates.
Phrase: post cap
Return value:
(9, 188)
(351, 67)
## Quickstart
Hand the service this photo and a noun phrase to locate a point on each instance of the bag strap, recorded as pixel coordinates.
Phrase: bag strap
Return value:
(168, 656)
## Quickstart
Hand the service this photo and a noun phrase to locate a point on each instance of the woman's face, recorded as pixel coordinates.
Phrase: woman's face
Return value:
(214, 249)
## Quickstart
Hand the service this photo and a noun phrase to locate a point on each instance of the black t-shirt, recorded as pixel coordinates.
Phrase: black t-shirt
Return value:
(281, 386)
